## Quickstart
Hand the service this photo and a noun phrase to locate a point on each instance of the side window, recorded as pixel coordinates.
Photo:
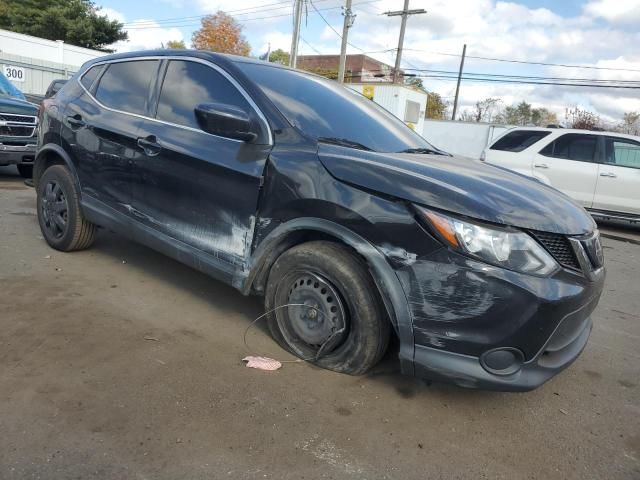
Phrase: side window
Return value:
(125, 85)
(412, 112)
(573, 146)
(90, 75)
(518, 140)
(188, 84)
(622, 152)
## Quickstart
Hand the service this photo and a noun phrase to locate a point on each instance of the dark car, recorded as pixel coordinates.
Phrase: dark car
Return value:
(54, 87)
(353, 227)
(18, 125)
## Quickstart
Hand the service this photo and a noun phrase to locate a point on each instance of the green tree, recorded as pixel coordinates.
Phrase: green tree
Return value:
(177, 44)
(436, 106)
(415, 82)
(279, 56)
(77, 22)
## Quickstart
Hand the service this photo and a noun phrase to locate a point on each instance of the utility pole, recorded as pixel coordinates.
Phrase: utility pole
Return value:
(349, 18)
(455, 101)
(405, 12)
(297, 19)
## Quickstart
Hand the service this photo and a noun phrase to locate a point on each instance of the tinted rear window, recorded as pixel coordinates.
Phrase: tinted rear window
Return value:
(519, 140)
(125, 85)
(572, 146)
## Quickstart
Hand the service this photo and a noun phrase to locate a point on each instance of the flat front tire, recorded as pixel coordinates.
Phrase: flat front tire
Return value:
(59, 214)
(335, 318)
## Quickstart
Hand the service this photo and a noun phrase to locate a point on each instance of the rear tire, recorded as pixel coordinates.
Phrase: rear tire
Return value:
(59, 213)
(351, 332)
(25, 171)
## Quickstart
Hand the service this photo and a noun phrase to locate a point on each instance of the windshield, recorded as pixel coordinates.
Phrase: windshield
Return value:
(326, 110)
(7, 88)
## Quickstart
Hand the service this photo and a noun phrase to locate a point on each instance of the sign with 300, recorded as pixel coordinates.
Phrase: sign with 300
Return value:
(17, 74)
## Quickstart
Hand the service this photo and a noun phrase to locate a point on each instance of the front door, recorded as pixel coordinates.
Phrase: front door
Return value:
(197, 188)
(569, 165)
(618, 188)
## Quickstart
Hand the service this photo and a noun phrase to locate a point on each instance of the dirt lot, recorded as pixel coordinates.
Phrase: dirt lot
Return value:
(118, 363)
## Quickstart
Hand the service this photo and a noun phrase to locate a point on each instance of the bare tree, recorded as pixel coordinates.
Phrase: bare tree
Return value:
(582, 119)
(630, 123)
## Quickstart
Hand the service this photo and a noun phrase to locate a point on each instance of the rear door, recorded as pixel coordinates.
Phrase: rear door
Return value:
(101, 128)
(196, 187)
(511, 150)
(618, 185)
(569, 165)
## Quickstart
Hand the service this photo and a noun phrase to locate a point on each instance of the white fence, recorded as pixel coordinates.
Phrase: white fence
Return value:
(467, 139)
(31, 63)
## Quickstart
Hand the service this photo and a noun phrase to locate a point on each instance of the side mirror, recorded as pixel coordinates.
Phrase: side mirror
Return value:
(225, 121)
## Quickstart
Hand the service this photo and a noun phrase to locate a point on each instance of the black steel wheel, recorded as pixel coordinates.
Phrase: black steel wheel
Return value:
(54, 209)
(59, 212)
(335, 318)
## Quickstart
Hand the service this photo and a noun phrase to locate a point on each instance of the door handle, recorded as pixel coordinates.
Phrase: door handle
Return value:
(608, 174)
(541, 165)
(150, 145)
(75, 121)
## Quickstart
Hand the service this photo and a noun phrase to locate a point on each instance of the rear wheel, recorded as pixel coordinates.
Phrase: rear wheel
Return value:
(59, 214)
(335, 318)
(25, 171)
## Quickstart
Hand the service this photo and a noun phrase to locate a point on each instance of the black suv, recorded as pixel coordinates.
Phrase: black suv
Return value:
(352, 226)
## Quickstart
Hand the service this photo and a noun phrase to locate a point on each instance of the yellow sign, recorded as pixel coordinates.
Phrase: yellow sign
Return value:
(368, 91)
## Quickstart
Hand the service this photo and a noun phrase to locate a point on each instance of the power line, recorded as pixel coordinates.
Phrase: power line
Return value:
(329, 25)
(529, 82)
(526, 62)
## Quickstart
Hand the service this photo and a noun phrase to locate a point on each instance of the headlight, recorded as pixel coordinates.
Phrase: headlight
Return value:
(504, 247)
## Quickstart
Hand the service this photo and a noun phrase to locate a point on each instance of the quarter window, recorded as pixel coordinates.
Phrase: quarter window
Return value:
(572, 146)
(518, 140)
(90, 75)
(622, 152)
(125, 85)
(188, 84)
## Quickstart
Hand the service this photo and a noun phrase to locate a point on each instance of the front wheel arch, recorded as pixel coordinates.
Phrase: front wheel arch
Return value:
(303, 229)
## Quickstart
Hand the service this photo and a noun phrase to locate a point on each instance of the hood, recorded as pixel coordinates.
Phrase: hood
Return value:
(17, 106)
(460, 185)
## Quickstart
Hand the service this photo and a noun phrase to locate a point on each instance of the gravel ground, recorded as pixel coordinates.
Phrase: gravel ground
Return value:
(119, 363)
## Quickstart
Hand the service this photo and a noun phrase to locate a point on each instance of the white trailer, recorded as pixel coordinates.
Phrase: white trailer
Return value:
(406, 103)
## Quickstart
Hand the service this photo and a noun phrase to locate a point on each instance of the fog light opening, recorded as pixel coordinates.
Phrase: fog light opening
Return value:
(502, 361)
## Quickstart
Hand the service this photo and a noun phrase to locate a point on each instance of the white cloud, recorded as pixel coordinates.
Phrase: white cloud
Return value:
(142, 38)
(623, 12)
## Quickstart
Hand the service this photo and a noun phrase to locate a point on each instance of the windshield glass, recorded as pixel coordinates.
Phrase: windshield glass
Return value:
(7, 88)
(326, 110)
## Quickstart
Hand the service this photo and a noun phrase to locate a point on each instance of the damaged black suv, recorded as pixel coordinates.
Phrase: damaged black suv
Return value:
(288, 185)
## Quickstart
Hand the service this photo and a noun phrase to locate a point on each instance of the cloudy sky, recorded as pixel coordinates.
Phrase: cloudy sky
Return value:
(595, 33)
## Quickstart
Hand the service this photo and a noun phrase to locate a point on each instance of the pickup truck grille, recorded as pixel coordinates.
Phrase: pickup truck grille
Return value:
(12, 125)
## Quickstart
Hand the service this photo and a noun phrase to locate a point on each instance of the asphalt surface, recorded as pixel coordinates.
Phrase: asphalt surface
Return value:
(119, 363)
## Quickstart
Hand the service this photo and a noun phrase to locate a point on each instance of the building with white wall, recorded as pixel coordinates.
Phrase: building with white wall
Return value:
(406, 103)
(31, 63)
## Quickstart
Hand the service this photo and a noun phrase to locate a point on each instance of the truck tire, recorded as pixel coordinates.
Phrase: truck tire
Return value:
(59, 213)
(25, 171)
(347, 330)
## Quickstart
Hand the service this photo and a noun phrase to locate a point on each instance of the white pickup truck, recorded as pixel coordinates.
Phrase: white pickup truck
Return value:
(600, 170)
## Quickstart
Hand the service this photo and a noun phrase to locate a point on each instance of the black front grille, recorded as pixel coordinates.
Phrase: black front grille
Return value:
(11, 117)
(13, 131)
(560, 247)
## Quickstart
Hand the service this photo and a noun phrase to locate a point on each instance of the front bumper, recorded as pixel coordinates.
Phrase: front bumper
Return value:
(463, 310)
(13, 152)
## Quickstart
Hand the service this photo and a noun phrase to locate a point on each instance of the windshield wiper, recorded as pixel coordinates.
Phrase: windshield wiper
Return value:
(343, 142)
(425, 150)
